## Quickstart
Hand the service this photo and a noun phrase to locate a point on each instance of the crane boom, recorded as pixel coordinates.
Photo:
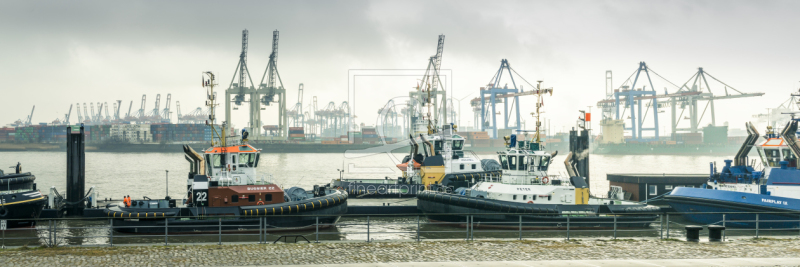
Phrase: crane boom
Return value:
(107, 117)
(93, 115)
(141, 110)
(271, 73)
(30, 118)
(273, 60)
(86, 113)
(158, 106)
(78, 109)
(178, 106)
(129, 109)
(68, 114)
(99, 112)
(116, 110)
(438, 60)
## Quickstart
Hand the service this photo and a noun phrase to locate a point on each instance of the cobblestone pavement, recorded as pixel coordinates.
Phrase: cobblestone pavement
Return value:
(376, 252)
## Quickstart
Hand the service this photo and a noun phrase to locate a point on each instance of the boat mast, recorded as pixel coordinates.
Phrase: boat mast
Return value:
(538, 113)
(210, 97)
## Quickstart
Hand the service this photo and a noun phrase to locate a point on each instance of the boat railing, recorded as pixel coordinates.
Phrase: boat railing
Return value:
(55, 232)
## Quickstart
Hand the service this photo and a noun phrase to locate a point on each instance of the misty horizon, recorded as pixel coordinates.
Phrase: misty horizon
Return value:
(58, 54)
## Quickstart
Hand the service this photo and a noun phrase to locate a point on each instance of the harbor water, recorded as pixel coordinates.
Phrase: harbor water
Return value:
(115, 175)
(144, 174)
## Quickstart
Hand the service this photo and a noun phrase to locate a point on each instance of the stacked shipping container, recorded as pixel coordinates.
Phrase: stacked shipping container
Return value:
(369, 135)
(180, 132)
(297, 134)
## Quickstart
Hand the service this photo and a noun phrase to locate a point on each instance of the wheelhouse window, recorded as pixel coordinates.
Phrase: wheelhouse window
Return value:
(438, 146)
(652, 190)
(790, 157)
(458, 144)
(504, 162)
(539, 163)
(208, 163)
(523, 163)
(545, 162)
(235, 198)
(773, 157)
(474, 166)
(251, 198)
(247, 159)
(462, 166)
(267, 197)
(515, 197)
(512, 162)
(216, 161)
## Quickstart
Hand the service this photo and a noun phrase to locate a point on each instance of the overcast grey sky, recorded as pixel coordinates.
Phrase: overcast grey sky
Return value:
(57, 53)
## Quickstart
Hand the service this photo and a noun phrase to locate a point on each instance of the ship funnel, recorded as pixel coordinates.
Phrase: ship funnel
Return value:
(789, 135)
(432, 151)
(199, 163)
(571, 170)
(414, 145)
(752, 137)
(192, 168)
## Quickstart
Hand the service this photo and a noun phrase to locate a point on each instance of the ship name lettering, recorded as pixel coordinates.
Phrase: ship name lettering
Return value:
(259, 188)
(779, 202)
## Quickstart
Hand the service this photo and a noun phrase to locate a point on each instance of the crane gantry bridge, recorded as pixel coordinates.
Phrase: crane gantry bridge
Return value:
(638, 102)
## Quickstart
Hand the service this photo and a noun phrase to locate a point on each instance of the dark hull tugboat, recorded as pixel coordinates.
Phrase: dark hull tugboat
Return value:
(527, 196)
(20, 202)
(224, 194)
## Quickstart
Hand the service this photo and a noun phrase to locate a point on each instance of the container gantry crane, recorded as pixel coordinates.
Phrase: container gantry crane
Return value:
(86, 118)
(78, 111)
(628, 96)
(493, 94)
(165, 114)
(296, 116)
(69, 113)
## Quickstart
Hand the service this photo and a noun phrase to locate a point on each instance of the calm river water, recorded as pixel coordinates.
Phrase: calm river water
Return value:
(144, 174)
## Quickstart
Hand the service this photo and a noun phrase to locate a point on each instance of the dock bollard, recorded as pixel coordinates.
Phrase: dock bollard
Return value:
(693, 233)
(715, 233)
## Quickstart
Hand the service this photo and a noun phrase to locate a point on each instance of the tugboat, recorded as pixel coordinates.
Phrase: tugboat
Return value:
(740, 191)
(442, 165)
(20, 202)
(544, 201)
(528, 195)
(223, 182)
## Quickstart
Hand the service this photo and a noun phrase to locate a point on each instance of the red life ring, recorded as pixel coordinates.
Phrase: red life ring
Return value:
(545, 180)
(260, 203)
(530, 201)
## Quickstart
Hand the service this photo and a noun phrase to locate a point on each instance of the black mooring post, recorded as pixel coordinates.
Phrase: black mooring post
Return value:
(579, 146)
(76, 171)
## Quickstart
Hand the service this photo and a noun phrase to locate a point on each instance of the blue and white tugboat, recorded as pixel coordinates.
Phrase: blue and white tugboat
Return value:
(224, 193)
(739, 191)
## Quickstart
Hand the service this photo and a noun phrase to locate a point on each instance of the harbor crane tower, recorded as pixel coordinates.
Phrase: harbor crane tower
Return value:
(427, 95)
(265, 94)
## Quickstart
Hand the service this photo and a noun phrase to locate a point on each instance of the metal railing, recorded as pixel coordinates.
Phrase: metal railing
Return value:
(408, 227)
